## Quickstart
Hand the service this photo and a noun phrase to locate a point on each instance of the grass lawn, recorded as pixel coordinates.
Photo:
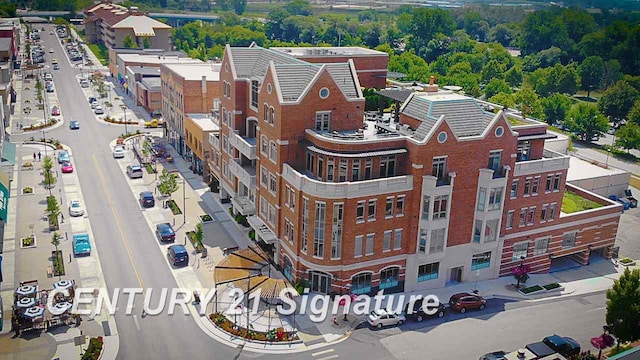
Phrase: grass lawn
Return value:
(572, 202)
(517, 122)
(101, 52)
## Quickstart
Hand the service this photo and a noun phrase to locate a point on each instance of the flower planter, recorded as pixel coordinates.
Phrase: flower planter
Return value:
(553, 287)
(531, 290)
(275, 336)
(206, 218)
(627, 262)
(192, 239)
(28, 242)
(175, 210)
(27, 166)
(58, 263)
(27, 190)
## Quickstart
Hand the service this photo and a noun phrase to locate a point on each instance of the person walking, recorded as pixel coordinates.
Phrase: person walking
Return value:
(34, 156)
(39, 156)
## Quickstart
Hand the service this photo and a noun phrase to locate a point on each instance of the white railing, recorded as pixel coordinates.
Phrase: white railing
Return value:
(552, 161)
(214, 141)
(242, 174)
(242, 145)
(329, 190)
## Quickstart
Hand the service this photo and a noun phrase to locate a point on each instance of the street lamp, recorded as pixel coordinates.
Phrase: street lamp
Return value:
(124, 107)
(184, 200)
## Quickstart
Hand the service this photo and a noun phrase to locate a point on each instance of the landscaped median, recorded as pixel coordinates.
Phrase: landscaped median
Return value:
(536, 289)
(113, 120)
(273, 336)
(51, 122)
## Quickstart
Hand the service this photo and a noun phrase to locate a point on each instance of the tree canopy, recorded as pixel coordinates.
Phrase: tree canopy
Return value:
(623, 307)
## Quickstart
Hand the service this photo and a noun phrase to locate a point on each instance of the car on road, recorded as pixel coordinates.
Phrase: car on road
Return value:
(419, 313)
(495, 355)
(93, 99)
(381, 317)
(178, 255)
(49, 88)
(118, 152)
(50, 50)
(67, 168)
(134, 171)
(147, 200)
(63, 156)
(54, 61)
(55, 111)
(463, 301)
(48, 77)
(99, 110)
(56, 67)
(81, 244)
(165, 232)
(76, 208)
(74, 125)
(563, 345)
(84, 83)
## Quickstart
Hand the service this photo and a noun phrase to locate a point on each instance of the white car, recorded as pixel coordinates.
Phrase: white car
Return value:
(99, 110)
(118, 152)
(84, 83)
(75, 208)
(51, 51)
(380, 318)
(94, 104)
(48, 77)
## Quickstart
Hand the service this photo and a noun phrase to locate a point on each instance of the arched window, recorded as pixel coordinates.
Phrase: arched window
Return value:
(272, 115)
(361, 283)
(389, 277)
(264, 145)
(273, 151)
(266, 113)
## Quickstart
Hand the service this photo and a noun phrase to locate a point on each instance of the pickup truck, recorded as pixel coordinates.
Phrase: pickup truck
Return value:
(154, 123)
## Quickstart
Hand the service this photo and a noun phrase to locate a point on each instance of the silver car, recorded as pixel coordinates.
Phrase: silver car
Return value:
(380, 318)
(134, 171)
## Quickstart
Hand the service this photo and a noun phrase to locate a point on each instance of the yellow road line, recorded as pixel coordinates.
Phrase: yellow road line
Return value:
(115, 215)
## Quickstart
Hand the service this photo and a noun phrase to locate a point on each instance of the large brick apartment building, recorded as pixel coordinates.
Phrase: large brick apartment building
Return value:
(450, 193)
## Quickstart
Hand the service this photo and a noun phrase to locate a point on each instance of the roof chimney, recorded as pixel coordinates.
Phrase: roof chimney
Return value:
(521, 354)
(432, 87)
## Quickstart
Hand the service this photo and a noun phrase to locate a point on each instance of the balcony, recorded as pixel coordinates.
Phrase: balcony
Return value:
(243, 205)
(246, 146)
(246, 174)
(329, 190)
(551, 161)
(500, 173)
(214, 140)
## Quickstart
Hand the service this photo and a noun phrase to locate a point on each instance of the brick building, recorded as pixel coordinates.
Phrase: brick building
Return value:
(450, 193)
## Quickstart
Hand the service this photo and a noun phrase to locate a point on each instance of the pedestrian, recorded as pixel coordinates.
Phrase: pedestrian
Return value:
(39, 156)
(62, 215)
(34, 156)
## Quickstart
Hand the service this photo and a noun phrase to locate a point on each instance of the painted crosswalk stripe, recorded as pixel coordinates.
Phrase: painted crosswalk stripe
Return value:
(329, 357)
(322, 352)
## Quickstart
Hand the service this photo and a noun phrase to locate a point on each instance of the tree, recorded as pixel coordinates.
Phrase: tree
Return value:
(53, 211)
(146, 43)
(634, 113)
(514, 76)
(298, 7)
(199, 235)
(55, 240)
(128, 43)
(617, 100)
(602, 342)
(586, 121)
(503, 34)
(528, 103)
(426, 23)
(628, 137)
(496, 86)
(542, 30)
(591, 72)
(239, 6)
(555, 108)
(492, 69)
(521, 273)
(612, 73)
(168, 183)
(623, 307)
(506, 100)
(49, 178)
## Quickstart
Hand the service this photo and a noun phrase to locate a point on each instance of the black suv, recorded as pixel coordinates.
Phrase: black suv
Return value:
(147, 200)
(564, 346)
(419, 314)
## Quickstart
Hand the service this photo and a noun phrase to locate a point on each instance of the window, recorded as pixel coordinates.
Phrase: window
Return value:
(495, 199)
(397, 239)
(371, 214)
(482, 195)
(263, 206)
(272, 214)
(264, 176)
(440, 206)
(514, 188)
(387, 166)
(523, 217)
(272, 115)
(428, 272)
(499, 131)
(547, 186)
(552, 212)
(556, 182)
(481, 261)
(330, 169)
(304, 236)
(400, 206)
(437, 241)
(569, 240)
(254, 93)
(288, 230)
(336, 237)
(318, 231)
(264, 145)
(439, 167)
(225, 143)
(477, 231)
(524, 149)
(273, 151)
(224, 116)
(442, 137)
(536, 184)
(542, 246)
(494, 159)
(422, 245)
(425, 207)
(323, 121)
(361, 284)
(355, 170)
(388, 209)
(265, 116)
(342, 171)
(370, 238)
(273, 187)
(509, 224)
(357, 251)
(491, 231)
(225, 169)
(520, 251)
(527, 186)
(543, 213)
(368, 165)
(310, 162)
(386, 243)
(531, 216)
(389, 278)
(320, 166)
(290, 198)
(324, 93)
(360, 211)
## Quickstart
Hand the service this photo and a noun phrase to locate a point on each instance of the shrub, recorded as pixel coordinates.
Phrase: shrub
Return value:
(94, 349)
(626, 261)
(551, 286)
(252, 234)
(531, 289)
(174, 207)
(28, 190)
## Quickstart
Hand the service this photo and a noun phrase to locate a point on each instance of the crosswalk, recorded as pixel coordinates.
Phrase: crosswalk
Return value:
(325, 354)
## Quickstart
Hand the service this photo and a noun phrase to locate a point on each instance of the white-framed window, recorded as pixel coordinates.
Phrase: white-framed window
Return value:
(342, 170)
(311, 159)
(495, 199)
(330, 169)
(527, 186)
(436, 243)
(388, 208)
(265, 109)
(320, 166)
(556, 182)
(225, 143)
(389, 277)
(288, 230)
(360, 211)
(481, 261)
(520, 250)
(400, 206)
(569, 239)
(225, 120)
(336, 233)
(523, 217)
(290, 198)
(273, 185)
(552, 212)
(509, 223)
(495, 158)
(542, 246)
(272, 214)
(263, 206)
(491, 231)
(323, 120)
(272, 116)
(304, 233)
(264, 177)
(428, 272)
(543, 212)
(255, 85)
(388, 166)
(273, 151)
(369, 245)
(514, 188)
(439, 167)
(536, 185)
(371, 213)
(548, 185)
(357, 250)
(477, 231)
(440, 206)
(225, 169)
(422, 241)
(264, 145)
(368, 166)
(426, 199)
(397, 239)
(531, 215)
(355, 170)
(482, 197)
(386, 243)
(318, 231)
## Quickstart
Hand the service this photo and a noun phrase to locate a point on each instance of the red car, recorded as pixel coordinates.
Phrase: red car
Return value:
(67, 168)
(55, 111)
(463, 301)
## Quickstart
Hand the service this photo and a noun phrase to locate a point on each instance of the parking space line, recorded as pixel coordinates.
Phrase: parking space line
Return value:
(322, 352)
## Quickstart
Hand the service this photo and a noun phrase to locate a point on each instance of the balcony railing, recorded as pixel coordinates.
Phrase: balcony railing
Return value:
(246, 174)
(499, 173)
(346, 189)
(552, 161)
(246, 146)
(444, 180)
(214, 140)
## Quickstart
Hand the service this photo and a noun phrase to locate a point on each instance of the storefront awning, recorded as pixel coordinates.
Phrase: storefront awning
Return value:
(9, 152)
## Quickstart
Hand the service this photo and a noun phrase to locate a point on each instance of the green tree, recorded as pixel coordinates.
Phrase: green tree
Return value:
(634, 113)
(53, 209)
(239, 6)
(49, 178)
(496, 86)
(617, 100)
(628, 137)
(55, 240)
(506, 100)
(168, 183)
(555, 108)
(426, 23)
(586, 121)
(591, 73)
(514, 76)
(528, 103)
(7, 9)
(502, 33)
(199, 235)
(128, 43)
(623, 307)
(146, 43)
(542, 30)
(612, 73)
(299, 7)
(493, 69)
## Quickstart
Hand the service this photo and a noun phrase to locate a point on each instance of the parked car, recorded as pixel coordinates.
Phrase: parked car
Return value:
(74, 125)
(147, 200)
(463, 301)
(418, 313)
(50, 50)
(178, 255)
(56, 67)
(76, 208)
(165, 232)
(67, 168)
(93, 99)
(84, 83)
(496, 355)
(563, 345)
(63, 157)
(633, 202)
(48, 77)
(134, 171)
(380, 318)
(118, 152)
(55, 111)
(99, 110)
(81, 244)
(49, 88)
